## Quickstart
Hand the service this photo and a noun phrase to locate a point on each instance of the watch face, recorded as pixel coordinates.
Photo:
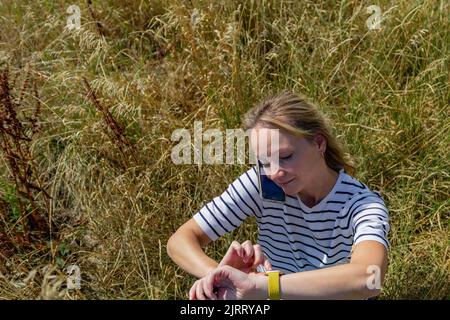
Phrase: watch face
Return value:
(261, 268)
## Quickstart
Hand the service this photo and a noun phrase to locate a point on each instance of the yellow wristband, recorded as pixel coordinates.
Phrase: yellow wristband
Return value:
(274, 284)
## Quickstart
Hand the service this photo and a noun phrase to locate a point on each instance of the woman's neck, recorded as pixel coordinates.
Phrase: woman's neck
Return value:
(322, 187)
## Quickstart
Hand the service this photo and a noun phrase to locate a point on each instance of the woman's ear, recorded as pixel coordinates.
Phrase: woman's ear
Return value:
(321, 143)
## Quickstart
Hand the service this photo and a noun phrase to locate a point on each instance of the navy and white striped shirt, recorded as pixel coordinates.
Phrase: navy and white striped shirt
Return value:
(293, 236)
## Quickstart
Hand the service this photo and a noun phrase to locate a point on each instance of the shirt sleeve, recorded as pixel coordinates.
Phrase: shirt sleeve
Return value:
(370, 219)
(226, 212)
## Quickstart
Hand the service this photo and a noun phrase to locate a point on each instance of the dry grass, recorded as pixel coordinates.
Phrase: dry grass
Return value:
(159, 66)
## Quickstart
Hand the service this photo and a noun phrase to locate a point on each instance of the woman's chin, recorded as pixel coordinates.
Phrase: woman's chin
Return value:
(290, 191)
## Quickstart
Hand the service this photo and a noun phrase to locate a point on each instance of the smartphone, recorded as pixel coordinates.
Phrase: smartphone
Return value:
(269, 190)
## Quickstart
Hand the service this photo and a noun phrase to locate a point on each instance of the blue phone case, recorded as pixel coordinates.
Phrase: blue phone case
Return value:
(268, 189)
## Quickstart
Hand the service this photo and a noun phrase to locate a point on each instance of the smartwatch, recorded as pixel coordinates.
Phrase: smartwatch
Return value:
(273, 282)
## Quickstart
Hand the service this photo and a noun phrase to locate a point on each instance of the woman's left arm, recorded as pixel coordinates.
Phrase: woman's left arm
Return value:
(360, 279)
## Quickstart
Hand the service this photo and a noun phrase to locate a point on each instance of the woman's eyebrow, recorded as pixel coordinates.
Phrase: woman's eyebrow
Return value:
(280, 151)
(285, 150)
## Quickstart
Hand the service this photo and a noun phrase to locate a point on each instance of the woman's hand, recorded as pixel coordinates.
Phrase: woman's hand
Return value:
(245, 257)
(227, 283)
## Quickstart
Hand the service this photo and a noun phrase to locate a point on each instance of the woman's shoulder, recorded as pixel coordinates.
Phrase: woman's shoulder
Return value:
(357, 190)
(248, 177)
(246, 182)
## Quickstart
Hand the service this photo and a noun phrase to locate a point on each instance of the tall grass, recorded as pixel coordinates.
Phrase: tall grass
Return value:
(157, 66)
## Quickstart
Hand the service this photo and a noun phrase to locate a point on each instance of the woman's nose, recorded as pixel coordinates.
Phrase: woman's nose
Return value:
(278, 175)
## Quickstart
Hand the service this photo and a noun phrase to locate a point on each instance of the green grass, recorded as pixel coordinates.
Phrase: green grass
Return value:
(386, 91)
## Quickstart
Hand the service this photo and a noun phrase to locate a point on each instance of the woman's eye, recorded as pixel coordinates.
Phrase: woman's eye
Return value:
(267, 165)
(287, 157)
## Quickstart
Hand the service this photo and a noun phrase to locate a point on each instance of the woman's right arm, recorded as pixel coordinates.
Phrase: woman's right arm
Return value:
(221, 215)
(185, 247)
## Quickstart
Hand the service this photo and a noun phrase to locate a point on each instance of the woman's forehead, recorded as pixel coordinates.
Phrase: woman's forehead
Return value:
(260, 135)
(268, 137)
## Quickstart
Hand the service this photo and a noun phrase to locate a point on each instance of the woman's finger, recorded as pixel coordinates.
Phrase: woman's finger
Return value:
(267, 263)
(248, 251)
(235, 250)
(236, 247)
(208, 287)
(192, 291)
(199, 290)
(258, 254)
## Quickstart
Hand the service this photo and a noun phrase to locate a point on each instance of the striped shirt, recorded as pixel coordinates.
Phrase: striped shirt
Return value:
(293, 236)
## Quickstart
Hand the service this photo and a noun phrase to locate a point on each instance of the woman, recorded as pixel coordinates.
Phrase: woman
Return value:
(329, 236)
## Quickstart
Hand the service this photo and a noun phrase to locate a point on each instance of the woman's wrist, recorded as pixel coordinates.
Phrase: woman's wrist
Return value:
(208, 267)
(260, 291)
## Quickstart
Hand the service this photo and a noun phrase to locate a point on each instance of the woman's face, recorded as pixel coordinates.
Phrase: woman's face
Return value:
(300, 159)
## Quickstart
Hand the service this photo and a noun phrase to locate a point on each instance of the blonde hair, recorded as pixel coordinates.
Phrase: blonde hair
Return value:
(291, 112)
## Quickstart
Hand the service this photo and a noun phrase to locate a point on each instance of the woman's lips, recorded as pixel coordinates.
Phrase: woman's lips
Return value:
(286, 183)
